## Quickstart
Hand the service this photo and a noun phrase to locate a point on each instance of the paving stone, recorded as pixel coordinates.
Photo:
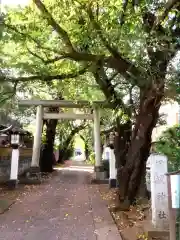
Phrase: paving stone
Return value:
(64, 208)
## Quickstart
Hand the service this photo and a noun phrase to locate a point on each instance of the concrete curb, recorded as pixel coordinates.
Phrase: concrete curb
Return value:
(105, 226)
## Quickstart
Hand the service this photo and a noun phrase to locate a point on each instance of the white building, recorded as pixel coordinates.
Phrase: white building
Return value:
(171, 116)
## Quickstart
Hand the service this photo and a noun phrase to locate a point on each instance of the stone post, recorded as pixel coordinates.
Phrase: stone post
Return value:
(159, 191)
(37, 140)
(112, 170)
(14, 168)
(173, 180)
(100, 174)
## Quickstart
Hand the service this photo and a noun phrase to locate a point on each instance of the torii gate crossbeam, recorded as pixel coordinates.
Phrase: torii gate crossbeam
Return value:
(40, 115)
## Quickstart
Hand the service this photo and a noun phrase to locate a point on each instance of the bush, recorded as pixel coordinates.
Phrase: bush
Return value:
(169, 145)
(91, 159)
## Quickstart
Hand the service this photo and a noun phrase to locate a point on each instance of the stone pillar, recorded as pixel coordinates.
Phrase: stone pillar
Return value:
(37, 140)
(99, 170)
(112, 170)
(174, 204)
(14, 168)
(159, 191)
(175, 191)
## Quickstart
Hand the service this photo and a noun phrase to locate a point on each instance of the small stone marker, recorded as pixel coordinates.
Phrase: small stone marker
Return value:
(175, 191)
(112, 169)
(159, 191)
(14, 167)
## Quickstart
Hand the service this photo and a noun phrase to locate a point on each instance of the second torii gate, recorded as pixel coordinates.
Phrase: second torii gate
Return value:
(40, 115)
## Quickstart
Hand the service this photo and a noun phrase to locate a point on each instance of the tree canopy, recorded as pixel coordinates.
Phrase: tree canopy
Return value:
(123, 51)
(168, 144)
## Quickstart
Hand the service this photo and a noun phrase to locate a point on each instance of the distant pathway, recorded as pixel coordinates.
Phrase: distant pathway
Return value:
(67, 207)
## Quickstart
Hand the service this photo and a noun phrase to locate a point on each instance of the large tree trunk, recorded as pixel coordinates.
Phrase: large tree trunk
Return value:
(121, 142)
(48, 159)
(131, 175)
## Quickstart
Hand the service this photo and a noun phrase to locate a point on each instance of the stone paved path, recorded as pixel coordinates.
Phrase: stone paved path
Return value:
(67, 207)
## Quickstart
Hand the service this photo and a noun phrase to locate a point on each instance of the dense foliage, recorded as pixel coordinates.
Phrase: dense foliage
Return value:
(169, 144)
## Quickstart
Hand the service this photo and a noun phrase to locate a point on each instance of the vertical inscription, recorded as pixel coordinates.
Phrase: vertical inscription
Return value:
(159, 193)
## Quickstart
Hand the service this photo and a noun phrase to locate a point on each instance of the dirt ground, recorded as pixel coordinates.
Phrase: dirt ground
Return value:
(133, 224)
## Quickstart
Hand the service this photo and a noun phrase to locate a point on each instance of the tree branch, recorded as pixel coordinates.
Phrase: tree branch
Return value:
(57, 58)
(116, 61)
(36, 55)
(168, 7)
(9, 94)
(51, 21)
(111, 49)
(125, 3)
(27, 36)
(108, 90)
(132, 105)
(43, 78)
(74, 131)
(124, 67)
(104, 132)
(113, 76)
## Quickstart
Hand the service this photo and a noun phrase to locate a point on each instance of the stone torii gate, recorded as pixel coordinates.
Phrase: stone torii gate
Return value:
(40, 115)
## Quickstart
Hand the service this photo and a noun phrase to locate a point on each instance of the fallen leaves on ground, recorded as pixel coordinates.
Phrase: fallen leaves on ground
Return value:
(125, 219)
(22, 190)
(98, 219)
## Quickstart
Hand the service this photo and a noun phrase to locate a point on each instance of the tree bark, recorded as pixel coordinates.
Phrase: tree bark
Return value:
(121, 142)
(131, 175)
(48, 159)
(87, 150)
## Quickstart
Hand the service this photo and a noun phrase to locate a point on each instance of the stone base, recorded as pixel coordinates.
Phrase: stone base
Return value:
(96, 181)
(12, 184)
(112, 183)
(158, 234)
(33, 176)
(100, 174)
(99, 169)
(34, 170)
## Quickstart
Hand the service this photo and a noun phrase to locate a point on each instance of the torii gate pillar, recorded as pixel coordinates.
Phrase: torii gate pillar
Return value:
(37, 139)
(99, 169)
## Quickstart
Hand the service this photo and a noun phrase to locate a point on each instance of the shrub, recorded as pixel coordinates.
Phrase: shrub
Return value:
(169, 145)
